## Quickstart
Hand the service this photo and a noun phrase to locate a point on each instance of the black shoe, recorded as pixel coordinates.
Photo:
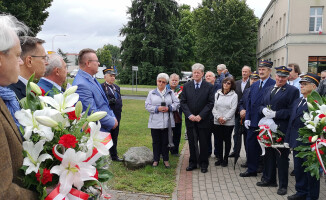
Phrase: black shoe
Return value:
(204, 170)
(266, 184)
(244, 165)
(248, 174)
(296, 197)
(190, 168)
(117, 159)
(232, 154)
(292, 173)
(224, 163)
(282, 191)
(218, 162)
(155, 163)
(166, 164)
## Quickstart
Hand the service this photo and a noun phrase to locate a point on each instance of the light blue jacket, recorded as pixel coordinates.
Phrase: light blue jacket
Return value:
(159, 120)
(91, 93)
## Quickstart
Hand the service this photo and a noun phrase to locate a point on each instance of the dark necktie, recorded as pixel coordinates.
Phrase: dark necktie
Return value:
(197, 86)
(274, 91)
(261, 84)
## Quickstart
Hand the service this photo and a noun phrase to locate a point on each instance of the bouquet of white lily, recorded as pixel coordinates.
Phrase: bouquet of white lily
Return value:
(63, 147)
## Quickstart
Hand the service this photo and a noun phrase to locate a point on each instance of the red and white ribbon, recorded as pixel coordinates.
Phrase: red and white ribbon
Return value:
(74, 194)
(315, 147)
(96, 155)
(263, 129)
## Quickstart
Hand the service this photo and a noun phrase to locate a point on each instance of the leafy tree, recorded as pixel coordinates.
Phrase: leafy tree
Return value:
(31, 12)
(151, 37)
(64, 56)
(104, 56)
(226, 33)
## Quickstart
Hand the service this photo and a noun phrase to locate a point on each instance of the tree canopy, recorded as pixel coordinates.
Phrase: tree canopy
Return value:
(31, 12)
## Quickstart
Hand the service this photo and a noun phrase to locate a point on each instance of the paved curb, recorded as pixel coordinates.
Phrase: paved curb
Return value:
(178, 170)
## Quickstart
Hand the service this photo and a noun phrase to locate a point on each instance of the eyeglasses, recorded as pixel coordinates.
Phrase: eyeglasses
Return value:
(46, 58)
(93, 61)
(322, 78)
(228, 83)
(159, 81)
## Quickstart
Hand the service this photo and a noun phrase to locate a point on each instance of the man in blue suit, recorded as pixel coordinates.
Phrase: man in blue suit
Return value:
(307, 187)
(54, 76)
(90, 90)
(279, 97)
(257, 91)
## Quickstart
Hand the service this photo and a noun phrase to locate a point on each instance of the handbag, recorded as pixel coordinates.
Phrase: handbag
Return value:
(177, 117)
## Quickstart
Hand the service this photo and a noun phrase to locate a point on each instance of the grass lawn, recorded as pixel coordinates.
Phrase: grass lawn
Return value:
(130, 92)
(134, 133)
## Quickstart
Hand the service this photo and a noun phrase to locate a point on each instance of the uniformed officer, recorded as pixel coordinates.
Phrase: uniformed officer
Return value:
(279, 98)
(306, 186)
(257, 91)
(112, 92)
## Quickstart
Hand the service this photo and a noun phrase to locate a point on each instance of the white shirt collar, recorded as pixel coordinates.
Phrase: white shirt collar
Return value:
(22, 79)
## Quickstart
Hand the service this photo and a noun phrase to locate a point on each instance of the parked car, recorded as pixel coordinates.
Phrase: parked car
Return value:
(73, 73)
(186, 76)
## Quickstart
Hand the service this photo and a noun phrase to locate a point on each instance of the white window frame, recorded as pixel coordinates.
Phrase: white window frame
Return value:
(316, 16)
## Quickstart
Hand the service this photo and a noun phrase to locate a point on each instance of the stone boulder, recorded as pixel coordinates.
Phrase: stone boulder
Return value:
(137, 157)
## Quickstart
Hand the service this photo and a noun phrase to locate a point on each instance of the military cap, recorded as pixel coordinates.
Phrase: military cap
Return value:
(265, 63)
(311, 78)
(283, 71)
(254, 75)
(109, 70)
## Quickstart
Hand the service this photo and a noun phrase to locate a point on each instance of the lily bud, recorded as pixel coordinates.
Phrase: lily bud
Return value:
(70, 90)
(314, 138)
(46, 121)
(78, 108)
(323, 120)
(310, 106)
(35, 88)
(96, 116)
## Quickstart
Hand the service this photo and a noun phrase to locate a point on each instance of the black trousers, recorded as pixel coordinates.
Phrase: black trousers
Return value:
(236, 131)
(114, 135)
(200, 155)
(223, 134)
(160, 144)
(176, 138)
(272, 160)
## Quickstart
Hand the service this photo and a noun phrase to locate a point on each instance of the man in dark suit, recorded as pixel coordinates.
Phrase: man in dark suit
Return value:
(257, 91)
(112, 92)
(197, 102)
(240, 86)
(279, 98)
(34, 61)
(307, 187)
(55, 75)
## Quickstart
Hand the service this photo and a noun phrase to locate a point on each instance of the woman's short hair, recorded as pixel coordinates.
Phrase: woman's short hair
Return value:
(174, 75)
(10, 29)
(163, 75)
(232, 83)
(198, 66)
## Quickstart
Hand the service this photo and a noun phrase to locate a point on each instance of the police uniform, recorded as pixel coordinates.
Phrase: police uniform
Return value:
(113, 95)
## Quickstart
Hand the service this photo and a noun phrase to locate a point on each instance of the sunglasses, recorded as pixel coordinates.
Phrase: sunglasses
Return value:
(228, 83)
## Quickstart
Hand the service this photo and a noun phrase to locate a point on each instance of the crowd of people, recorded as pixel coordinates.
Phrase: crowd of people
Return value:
(219, 105)
(211, 104)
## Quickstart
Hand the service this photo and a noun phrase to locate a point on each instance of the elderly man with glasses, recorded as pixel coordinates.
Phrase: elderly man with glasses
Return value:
(34, 61)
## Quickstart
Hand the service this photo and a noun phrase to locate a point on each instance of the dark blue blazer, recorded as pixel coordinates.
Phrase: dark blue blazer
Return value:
(19, 88)
(295, 123)
(254, 101)
(48, 87)
(244, 100)
(117, 106)
(281, 103)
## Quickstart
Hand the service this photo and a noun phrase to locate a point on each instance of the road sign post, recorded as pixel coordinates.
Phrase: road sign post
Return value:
(134, 68)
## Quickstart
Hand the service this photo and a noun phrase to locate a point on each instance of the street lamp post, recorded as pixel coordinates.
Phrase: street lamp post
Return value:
(53, 41)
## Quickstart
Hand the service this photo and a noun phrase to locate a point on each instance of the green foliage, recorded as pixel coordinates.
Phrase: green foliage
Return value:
(104, 56)
(31, 12)
(226, 32)
(150, 37)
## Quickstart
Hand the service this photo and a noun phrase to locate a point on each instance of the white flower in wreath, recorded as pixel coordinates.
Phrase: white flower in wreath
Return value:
(97, 138)
(34, 159)
(61, 102)
(322, 109)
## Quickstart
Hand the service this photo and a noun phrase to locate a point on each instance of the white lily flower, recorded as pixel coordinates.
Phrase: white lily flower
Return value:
(27, 119)
(73, 171)
(96, 139)
(322, 109)
(307, 116)
(313, 128)
(34, 159)
(63, 104)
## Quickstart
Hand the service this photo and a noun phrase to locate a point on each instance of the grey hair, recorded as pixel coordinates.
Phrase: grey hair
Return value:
(55, 61)
(174, 75)
(210, 72)
(163, 75)
(247, 67)
(221, 67)
(10, 29)
(198, 66)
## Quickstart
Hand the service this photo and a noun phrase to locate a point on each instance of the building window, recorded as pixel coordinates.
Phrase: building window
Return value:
(316, 18)
(316, 64)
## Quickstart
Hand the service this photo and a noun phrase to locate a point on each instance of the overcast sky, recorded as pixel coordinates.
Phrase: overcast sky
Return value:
(94, 23)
